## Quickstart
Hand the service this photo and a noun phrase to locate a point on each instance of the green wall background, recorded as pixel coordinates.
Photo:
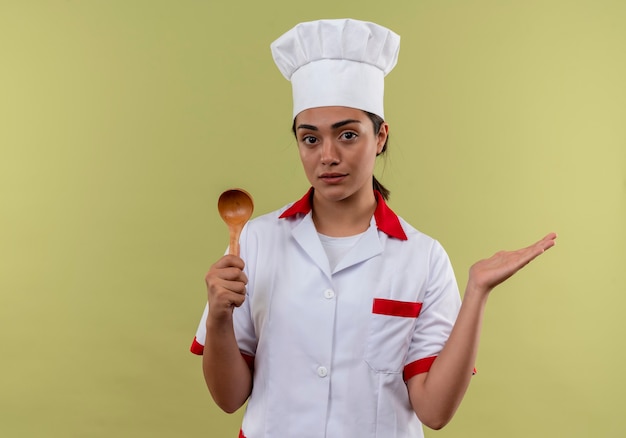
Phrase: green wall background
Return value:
(122, 121)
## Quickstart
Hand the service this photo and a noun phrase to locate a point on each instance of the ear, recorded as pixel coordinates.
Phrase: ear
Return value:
(381, 137)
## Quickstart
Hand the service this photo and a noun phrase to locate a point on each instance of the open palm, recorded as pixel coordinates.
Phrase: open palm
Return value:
(488, 273)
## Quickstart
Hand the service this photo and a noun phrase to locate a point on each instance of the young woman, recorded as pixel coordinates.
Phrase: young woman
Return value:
(344, 320)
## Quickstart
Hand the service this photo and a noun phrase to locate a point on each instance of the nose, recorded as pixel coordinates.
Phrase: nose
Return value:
(329, 153)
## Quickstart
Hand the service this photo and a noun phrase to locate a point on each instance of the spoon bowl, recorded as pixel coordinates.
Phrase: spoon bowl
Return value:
(235, 207)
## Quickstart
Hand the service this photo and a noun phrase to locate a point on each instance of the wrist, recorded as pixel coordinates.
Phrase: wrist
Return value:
(219, 324)
(476, 292)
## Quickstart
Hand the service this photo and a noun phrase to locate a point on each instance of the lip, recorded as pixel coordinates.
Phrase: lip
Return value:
(332, 178)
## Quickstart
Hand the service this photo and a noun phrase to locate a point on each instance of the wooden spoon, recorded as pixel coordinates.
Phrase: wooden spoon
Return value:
(235, 207)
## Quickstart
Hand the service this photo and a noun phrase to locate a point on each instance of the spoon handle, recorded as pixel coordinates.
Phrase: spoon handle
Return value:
(233, 247)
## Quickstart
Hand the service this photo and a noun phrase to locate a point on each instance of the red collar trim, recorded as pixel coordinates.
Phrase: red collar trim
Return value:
(386, 220)
(303, 205)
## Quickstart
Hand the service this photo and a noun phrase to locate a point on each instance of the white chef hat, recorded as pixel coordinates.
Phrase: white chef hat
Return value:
(337, 63)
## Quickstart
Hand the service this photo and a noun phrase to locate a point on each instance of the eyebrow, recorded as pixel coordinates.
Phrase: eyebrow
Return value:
(334, 125)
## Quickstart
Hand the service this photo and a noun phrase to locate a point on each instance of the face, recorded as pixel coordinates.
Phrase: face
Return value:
(338, 148)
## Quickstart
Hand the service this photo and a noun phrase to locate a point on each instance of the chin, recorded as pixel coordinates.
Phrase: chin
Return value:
(333, 193)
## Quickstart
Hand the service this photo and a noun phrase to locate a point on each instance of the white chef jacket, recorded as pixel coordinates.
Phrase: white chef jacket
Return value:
(331, 350)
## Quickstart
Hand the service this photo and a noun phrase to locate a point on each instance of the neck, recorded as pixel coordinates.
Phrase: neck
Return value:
(346, 217)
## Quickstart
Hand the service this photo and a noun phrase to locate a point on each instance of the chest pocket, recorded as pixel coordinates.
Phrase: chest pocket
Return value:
(390, 331)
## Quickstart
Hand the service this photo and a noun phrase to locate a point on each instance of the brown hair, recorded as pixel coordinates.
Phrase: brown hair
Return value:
(378, 121)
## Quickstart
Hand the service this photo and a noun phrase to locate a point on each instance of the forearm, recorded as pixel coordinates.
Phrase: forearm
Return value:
(436, 395)
(226, 373)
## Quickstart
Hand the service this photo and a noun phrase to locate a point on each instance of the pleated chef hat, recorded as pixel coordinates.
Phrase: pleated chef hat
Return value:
(337, 63)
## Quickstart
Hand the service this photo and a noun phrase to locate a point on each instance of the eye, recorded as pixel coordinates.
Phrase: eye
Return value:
(349, 135)
(309, 140)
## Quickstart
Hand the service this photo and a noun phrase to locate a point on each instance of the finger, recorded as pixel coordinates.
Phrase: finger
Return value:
(544, 244)
(223, 299)
(230, 297)
(531, 252)
(223, 305)
(232, 274)
(238, 300)
(217, 286)
(549, 241)
(215, 275)
(237, 287)
(229, 261)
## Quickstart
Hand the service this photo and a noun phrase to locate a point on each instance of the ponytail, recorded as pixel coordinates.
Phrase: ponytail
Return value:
(384, 191)
(378, 122)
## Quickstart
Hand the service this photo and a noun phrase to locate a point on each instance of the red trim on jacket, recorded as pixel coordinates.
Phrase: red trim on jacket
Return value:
(302, 206)
(406, 309)
(241, 435)
(418, 367)
(249, 360)
(421, 366)
(386, 220)
(196, 347)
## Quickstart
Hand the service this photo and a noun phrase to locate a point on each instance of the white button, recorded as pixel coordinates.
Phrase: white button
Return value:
(322, 371)
(329, 293)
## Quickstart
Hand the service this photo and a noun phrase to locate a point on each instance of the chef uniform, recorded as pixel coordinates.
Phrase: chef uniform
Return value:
(331, 327)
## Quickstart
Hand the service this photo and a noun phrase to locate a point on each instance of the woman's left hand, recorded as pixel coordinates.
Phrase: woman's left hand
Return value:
(486, 274)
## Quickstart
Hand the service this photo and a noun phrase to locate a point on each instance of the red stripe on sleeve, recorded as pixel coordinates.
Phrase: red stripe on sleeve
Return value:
(418, 367)
(249, 360)
(196, 347)
(406, 309)
(421, 366)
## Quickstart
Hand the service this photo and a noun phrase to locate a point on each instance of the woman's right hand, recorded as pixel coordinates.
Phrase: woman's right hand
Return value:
(227, 374)
(226, 287)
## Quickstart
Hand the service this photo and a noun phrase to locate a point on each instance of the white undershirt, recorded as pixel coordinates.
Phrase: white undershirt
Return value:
(337, 247)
